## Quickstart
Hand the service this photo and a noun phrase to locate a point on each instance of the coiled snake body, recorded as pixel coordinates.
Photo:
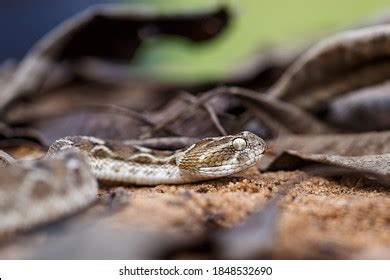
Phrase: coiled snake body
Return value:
(37, 192)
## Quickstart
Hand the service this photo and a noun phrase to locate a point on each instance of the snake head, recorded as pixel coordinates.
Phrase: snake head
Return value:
(222, 156)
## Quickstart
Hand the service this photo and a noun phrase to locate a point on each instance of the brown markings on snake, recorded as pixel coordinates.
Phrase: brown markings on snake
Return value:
(131, 153)
(143, 159)
(101, 152)
(82, 143)
(76, 173)
(172, 161)
(195, 155)
(41, 189)
(43, 166)
(119, 151)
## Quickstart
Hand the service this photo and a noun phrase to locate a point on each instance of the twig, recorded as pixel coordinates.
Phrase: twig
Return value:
(129, 113)
(210, 110)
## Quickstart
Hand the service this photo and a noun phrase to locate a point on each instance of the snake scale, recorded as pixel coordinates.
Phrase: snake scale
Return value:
(40, 191)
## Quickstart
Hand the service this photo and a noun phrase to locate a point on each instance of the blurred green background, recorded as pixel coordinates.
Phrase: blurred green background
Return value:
(256, 24)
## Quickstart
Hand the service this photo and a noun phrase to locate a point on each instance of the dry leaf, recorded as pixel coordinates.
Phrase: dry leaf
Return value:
(370, 166)
(337, 65)
(110, 32)
(355, 144)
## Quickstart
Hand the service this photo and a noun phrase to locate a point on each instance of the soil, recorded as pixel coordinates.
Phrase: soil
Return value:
(319, 217)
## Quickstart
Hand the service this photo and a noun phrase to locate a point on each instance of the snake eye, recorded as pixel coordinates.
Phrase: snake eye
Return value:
(239, 144)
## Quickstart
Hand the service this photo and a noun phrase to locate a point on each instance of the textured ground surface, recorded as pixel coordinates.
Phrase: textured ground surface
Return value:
(320, 218)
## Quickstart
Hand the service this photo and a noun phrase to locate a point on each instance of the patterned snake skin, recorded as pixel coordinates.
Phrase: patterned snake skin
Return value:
(64, 181)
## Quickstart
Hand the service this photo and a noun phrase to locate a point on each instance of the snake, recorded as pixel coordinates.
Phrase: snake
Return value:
(66, 179)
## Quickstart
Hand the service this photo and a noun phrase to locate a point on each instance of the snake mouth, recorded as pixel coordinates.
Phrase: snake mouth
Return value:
(253, 161)
(227, 169)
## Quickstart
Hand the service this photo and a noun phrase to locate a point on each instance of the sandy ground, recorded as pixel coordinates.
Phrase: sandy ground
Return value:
(320, 218)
